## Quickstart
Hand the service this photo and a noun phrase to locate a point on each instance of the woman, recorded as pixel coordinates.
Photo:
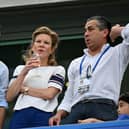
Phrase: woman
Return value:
(37, 84)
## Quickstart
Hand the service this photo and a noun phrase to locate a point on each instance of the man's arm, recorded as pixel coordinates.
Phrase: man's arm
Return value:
(55, 120)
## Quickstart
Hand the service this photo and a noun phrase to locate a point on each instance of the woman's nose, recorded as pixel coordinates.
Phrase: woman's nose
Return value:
(41, 44)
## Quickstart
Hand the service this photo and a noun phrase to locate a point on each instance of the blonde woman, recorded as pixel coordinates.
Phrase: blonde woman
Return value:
(37, 84)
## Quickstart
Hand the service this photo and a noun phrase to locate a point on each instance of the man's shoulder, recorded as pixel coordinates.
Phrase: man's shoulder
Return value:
(77, 60)
(3, 65)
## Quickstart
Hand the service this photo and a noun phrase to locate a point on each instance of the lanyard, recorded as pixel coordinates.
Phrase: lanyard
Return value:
(106, 49)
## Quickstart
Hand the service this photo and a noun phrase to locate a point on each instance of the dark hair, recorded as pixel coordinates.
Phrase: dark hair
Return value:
(124, 97)
(104, 23)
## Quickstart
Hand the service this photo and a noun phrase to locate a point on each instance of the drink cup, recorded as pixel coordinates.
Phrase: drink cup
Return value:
(37, 57)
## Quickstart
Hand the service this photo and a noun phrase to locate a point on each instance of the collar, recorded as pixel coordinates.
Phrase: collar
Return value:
(102, 49)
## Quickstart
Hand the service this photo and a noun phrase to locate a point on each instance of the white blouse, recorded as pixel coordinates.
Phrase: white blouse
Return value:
(41, 77)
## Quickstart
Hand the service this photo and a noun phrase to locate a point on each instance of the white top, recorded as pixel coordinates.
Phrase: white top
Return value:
(106, 78)
(4, 79)
(41, 77)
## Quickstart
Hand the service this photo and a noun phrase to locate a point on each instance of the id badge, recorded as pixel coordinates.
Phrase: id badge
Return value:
(84, 85)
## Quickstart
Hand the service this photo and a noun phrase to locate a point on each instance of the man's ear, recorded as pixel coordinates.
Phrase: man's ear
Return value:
(106, 32)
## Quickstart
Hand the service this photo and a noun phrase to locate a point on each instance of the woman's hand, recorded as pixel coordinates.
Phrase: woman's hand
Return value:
(35, 62)
(30, 64)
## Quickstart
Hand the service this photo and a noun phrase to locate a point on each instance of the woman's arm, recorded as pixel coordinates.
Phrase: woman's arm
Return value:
(44, 93)
(16, 85)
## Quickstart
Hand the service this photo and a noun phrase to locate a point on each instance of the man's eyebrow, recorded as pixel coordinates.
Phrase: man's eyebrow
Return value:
(89, 27)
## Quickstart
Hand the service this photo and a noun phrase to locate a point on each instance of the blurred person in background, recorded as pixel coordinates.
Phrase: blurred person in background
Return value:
(4, 79)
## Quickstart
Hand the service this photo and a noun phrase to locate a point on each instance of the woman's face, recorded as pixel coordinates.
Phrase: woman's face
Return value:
(42, 45)
(123, 107)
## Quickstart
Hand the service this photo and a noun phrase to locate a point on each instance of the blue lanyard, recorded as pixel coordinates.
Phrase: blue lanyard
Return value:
(96, 61)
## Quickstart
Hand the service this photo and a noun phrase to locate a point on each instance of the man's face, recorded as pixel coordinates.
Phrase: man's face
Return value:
(94, 37)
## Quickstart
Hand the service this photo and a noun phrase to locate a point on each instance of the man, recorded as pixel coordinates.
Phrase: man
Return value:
(95, 78)
(4, 77)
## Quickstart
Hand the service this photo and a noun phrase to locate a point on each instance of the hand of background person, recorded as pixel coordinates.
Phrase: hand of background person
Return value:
(89, 120)
(115, 32)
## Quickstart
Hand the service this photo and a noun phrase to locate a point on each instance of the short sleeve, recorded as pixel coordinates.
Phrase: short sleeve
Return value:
(58, 77)
(16, 72)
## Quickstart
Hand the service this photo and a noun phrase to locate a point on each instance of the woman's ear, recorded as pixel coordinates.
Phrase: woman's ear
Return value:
(53, 50)
(32, 47)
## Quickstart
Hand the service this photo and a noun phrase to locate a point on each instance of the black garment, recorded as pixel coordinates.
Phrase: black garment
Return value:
(103, 109)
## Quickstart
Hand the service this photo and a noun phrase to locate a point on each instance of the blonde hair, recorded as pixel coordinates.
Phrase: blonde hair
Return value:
(55, 41)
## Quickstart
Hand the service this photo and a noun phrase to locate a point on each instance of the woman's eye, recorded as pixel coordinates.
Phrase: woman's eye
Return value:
(46, 42)
(38, 41)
